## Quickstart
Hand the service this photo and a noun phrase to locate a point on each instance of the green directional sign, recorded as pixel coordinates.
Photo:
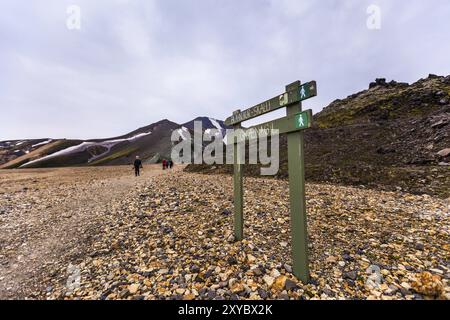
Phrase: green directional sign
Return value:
(296, 122)
(295, 94)
(287, 124)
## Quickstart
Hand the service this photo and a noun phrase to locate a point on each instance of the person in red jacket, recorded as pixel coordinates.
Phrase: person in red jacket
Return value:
(164, 164)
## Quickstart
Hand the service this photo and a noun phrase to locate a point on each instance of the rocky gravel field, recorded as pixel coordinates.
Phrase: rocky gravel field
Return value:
(101, 233)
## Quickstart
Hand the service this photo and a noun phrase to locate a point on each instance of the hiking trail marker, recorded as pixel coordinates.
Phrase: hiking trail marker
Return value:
(293, 124)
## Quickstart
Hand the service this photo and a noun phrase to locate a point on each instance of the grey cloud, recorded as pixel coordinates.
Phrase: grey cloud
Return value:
(136, 62)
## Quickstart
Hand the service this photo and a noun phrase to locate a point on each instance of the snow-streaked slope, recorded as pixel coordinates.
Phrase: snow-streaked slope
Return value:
(78, 148)
(108, 144)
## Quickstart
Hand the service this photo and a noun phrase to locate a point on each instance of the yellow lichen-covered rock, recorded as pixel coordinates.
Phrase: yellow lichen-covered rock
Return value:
(133, 288)
(189, 297)
(279, 283)
(428, 284)
(237, 287)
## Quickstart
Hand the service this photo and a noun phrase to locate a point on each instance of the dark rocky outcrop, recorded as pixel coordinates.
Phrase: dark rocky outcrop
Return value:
(388, 137)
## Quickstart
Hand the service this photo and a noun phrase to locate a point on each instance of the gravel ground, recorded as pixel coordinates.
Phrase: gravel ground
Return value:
(51, 216)
(100, 233)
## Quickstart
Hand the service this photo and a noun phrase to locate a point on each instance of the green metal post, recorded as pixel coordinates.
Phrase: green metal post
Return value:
(238, 193)
(296, 166)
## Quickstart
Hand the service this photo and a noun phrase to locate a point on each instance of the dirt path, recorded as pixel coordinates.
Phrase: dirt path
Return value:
(52, 215)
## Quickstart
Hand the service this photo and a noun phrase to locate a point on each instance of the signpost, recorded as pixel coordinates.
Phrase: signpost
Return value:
(293, 124)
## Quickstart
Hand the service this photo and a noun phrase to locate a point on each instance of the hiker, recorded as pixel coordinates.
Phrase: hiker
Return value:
(170, 164)
(137, 166)
(164, 163)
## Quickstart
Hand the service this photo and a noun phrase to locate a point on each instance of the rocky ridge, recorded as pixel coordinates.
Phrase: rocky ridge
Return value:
(393, 136)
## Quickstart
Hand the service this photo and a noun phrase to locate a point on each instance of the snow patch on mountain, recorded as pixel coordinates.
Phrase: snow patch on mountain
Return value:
(216, 124)
(133, 138)
(182, 133)
(20, 142)
(41, 143)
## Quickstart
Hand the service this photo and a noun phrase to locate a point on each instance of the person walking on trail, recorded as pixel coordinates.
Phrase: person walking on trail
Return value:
(137, 166)
(164, 164)
(170, 164)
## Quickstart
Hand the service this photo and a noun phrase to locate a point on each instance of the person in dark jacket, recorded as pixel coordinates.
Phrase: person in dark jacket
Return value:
(137, 166)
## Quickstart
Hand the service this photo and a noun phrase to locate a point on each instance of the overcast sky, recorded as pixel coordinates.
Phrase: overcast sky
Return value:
(133, 63)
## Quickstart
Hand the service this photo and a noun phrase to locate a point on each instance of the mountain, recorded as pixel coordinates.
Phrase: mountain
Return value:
(207, 123)
(151, 143)
(392, 136)
(15, 153)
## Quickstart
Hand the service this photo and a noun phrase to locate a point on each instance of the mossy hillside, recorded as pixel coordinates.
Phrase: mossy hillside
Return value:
(386, 137)
(116, 155)
(386, 101)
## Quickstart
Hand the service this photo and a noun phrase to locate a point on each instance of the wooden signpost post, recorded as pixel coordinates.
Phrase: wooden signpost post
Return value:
(293, 124)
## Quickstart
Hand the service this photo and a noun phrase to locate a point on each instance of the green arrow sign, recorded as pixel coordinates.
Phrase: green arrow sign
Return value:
(294, 95)
(293, 123)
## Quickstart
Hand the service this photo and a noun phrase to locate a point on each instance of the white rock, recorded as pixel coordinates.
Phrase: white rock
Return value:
(405, 285)
(268, 280)
(445, 152)
(275, 273)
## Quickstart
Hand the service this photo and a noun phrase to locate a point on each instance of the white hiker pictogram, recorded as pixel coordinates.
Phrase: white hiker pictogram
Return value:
(302, 93)
(301, 122)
